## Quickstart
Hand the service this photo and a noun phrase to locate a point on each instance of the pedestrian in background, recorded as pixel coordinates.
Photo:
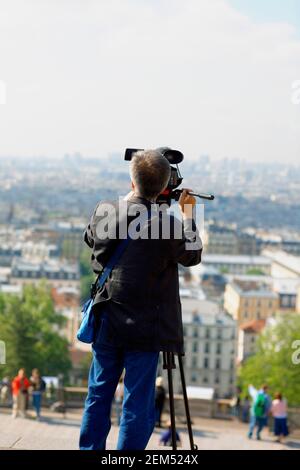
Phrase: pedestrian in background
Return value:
(246, 409)
(38, 386)
(166, 437)
(259, 411)
(279, 413)
(160, 397)
(20, 386)
(5, 391)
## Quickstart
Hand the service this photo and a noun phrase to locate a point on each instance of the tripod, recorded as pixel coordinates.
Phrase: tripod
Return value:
(169, 365)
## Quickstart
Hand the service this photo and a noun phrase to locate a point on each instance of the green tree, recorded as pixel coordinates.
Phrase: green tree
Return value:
(255, 272)
(30, 327)
(273, 363)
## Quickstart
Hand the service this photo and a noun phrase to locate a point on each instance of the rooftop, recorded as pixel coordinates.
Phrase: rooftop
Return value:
(284, 259)
(53, 266)
(236, 259)
(253, 289)
(10, 289)
(204, 312)
(254, 326)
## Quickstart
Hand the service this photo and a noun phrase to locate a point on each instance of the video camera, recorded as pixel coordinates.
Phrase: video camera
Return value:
(174, 157)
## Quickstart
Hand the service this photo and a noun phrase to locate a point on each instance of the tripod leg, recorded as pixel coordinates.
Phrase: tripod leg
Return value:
(186, 404)
(168, 361)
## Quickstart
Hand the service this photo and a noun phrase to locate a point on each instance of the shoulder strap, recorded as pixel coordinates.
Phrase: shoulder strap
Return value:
(117, 254)
(112, 262)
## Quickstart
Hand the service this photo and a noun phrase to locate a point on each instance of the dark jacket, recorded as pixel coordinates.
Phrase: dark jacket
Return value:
(141, 296)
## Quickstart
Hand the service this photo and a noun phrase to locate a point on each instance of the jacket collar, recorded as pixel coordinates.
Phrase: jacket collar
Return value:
(140, 200)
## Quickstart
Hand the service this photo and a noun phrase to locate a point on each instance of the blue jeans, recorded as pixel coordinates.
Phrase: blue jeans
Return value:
(259, 422)
(138, 412)
(36, 402)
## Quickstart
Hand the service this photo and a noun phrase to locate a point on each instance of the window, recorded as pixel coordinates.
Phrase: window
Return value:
(219, 334)
(206, 363)
(194, 362)
(218, 364)
(195, 333)
(219, 348)
(207, 348)
(193, 378)
(195, 346)
(207, 333)
(217, 379)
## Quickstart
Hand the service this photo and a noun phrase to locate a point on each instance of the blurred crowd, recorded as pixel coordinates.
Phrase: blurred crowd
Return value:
(22, 392)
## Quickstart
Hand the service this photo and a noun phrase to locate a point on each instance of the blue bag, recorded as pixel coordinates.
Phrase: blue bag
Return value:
(87, 330)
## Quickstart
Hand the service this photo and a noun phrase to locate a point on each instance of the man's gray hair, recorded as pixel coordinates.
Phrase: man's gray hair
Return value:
(150, 172)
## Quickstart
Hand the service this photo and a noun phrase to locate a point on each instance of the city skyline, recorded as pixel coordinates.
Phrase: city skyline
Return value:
(94, 77)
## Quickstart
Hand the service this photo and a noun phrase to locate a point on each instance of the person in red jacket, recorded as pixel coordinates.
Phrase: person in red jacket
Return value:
(20, 386)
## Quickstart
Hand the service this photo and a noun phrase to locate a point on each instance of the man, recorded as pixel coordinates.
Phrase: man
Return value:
(260, 409)
(20, 386)
(138, 310)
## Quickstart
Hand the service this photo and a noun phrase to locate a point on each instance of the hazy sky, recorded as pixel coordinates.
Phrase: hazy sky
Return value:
(204, 76)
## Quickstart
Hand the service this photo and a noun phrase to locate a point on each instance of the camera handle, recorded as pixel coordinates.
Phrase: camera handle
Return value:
(169, 365)
(177, 193)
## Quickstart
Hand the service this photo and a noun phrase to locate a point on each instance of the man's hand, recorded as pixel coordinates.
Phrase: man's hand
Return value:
(186, 203)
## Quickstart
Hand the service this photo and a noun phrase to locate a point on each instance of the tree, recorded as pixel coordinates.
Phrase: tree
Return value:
(255, 272)
(30, 326)
(274, 362)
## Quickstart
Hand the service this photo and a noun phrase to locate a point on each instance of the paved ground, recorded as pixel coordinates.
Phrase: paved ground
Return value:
(55, 432)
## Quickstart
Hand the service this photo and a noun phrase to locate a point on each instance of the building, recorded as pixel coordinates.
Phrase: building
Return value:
(210, 339)
(287, 290)
(220, 239)
(41, 250)
(238, 264)
(281, 240)
(58, 273)
(298, 301)
(8, 252)
(247, 338)
(12, 290)
(67, 302)
(249, 300)
(284, 265)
